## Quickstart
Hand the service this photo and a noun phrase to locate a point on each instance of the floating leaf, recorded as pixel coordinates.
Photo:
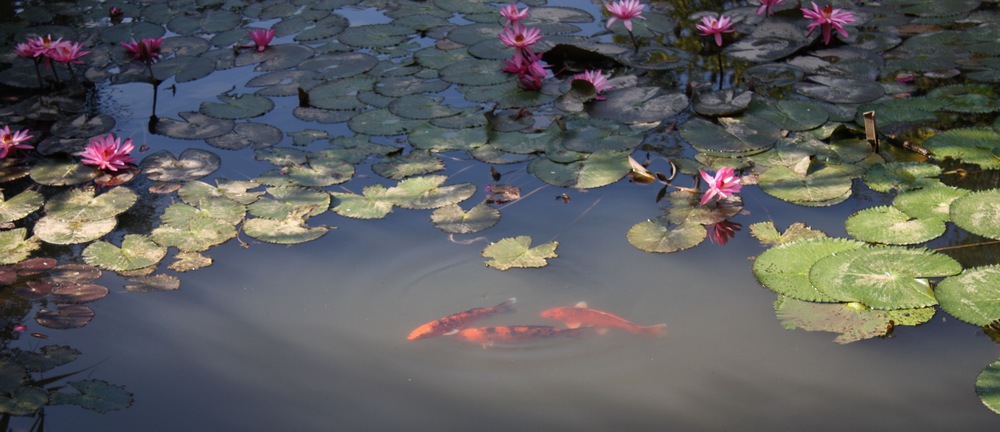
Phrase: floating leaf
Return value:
(375, 35)
(219, 203)
(340, 94)
(888, 277)
(136, 252)
(978, 213)
(183, 68)
(83, 126)
(827, 184)
(53, 230)
(19, 205)
(516, 252)
(236, 107)
(599, 169)
(853, 321)
(288, 200)
(636, 105)
(790, 115)
(902, 176)
(888, 225)
(722, 103)
(452, 219)
(836, 89)
(656, 235)
(381, 122)
(784, 269)
(475, 73)
(79, 293)
(188, 261)
(374, 204)
(290, 230)
(195, 126)
(47, 358)
(414, 163)
(193, 164)
(154, 283)
(65, 317)
(969, 145)
(23, 401)
(972, 296)
(769, 235)
(426, 192)
(719, 140)
(83, 205)
(988, 386)
(933, 202)
(191, 230)
(62, 171)
(95, 395)
(258, 135)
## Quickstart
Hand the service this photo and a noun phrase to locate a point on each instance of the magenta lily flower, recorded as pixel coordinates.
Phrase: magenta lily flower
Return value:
(724, 184)
(721, 232)
(146, 50)
(826, 19)
(595, 78)
(68, 52)
(512, 14)
(261, 38)
(42, 46)
(108, 152)
(13, 140)
(767, 6)
(715, 26)
(626, 11)
(519, 36)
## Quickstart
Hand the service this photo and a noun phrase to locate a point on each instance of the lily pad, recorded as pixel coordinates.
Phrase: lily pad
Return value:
(890, 277)
(375, 203)
(516, 252)
(57, 231)
(768, 235)
(598, 169)
(734, 137)
(23, 401)
(902, 176)
(154, 283)
(835, 89)
(20, 205)
(290, 230)
(14, 247)
(193, 164)
(978, 213)
(237, 107)
(969, 145)
(47, 358)
(988, 386)
(381, 122)
(722, 103)
(853, 321)
(427, 193)
(828, 184)
(79, 293)
(191, 230)
(195, 126)
(657, 235)
(452, 219)
(258, 135)
(790, 115)
(889, 225)
(636, 105)
(785, 268)
(136, 252)
(62, 171)
(287, 200)
(188, 261)
(972, 296)
(95, 395)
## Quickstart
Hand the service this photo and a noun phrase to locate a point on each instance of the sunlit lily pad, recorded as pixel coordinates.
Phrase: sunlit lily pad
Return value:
(136, 252)
(287, 200)
(193, 164)
(599, 169)
(195, 126)
(853, 321)
(375, 203)
(62, 172)
(902, 176)
(65, 316)
(988, 386)
(978, 213)
(452, 219)
(933, 202)
(258, 135)
(53, 230)
(14, 247)
(414, 163)
(888, 277)
(191, 230)
(83, 205)
(972, 296)
(888, 225)
(967, 98)
(969, 145)
(429, 137)
(657, 235)
(516, 252)
(153, 283)
(225, 203)
(188, 261)
(20, 205)
(639, 105)
(289, 230)
(784, 269)
(427, 193)
(826, 184)
(95, 395)
(382, 122)
(321, 171)
(768, 234)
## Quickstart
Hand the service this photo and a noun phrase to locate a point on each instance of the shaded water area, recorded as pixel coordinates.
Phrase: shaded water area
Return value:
(312, 336)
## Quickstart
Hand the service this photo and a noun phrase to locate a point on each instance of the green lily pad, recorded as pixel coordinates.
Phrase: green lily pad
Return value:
(853, 321)
(191, 230)
(826, 184)
(978, 213)
(193, 164)
(430, 137)
(902, 176)
(722, 103)
(321, 171)
(53, 230)
(376, 35)
(257, 135)
(289, 200)
(23, 401)
(933, 202)
(969, 145)
(95, 395)
(153, 283)
(236, 107)
(890, 277)
(14, 248)
(972, 296)
(83, 205)
(967, 98)
(453, 220)
(381, 122)
(195, 126)
(225, 204)
(427, 193)
(598, 169)
(414, 163)
(776, 38)
(136, 252)
(516, 252)
(768, 235)
(20, 205)
(833, 89)
(988, 386)
(289, 230)
(340, 94)
(62, 171)
(375, 203)
(475, 73)
(184, 68)
(47, 358)
(635, 105)
(790, 115)
(421, 107)
(656, 235)
(784, 269)
(889, 225)
(733, 137)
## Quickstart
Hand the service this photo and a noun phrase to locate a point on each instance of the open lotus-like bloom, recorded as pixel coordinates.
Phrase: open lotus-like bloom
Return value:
(725, 183)
(261, 38)
(767, 6)
(146, 50)
(626, 11)
(597, 79)
(826, 19)
(68, 52)
(42, 46)
(715, 26)
(512, 14)
(519, 36)
(108, 152)
(13, 140)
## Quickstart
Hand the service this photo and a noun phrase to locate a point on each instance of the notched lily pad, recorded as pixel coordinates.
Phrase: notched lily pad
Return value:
(514, 252)
(452, 219)
(889, 225)
(972, 296)
(193, 164)
(95, 395)
(658, 235)
(375, 203)
(978, 213)
(195, 126)
(853, 321)
(784, 269)
(236, 107)
(136, 252)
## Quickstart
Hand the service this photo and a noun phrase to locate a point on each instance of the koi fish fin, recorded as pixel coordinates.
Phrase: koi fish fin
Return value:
(582, 304)
(451, 332)
(655, 330)
(573, 325)
(506, 306)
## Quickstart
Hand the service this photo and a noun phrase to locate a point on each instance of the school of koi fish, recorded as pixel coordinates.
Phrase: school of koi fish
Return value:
(578, 320)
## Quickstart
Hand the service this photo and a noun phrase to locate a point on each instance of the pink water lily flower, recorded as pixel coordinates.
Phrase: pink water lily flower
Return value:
(108, 152)
(595, 78)
(13, 140)
(715, 26)
(626, 11)
(721, 232)
(826, 19)
(69, 52)
(146, 50)
(725, 183)
(512, 14)
(767, 6)
(519, 36)
(42, 46)
(261, 38)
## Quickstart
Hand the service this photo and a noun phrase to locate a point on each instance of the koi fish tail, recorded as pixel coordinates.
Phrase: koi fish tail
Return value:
(507, 306)
(658, 330)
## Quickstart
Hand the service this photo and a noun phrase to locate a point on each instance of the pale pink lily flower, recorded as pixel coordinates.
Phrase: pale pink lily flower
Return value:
(595, 78)
(146, 50)
(13, 140)
(25, 49)
(69, 52)
(724, 184)
(767, 6)
(826, 19)
(715, 26)
(108, 152)
(43, 45)
(626, 11)
(512, 14)
(261, 38)
(519, 36)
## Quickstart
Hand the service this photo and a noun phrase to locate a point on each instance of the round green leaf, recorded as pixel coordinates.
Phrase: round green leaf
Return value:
(290, 230)
(53, 230)
(19, 205)
(62, 172)
(827, 184)
(978, 213)
(514, 252)
(374, 204)
(136, 252)
(288, 200)
(598, 169)
(23, 401)
(193, 164)
(988, 386)
(969, 145)
(95, 395)
(195, 126)
(784, 269)
(13, 246)
(427, 193)
(656, 235)
(452, 219)
(236, 107)
(972, 296)
(853, 321)
(888, 225)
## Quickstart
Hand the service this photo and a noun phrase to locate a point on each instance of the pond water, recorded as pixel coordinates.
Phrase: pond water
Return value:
(312, 336)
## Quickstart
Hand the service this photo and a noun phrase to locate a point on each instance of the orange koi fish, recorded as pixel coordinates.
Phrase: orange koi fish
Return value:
(459, 320)
(517, 333)
(581, 315)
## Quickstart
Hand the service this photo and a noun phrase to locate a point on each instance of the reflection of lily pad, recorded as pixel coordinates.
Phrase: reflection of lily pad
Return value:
(452, 219)
(784, 269)
(656, 235)
(972, 296)
(514, 252)
(853, 321)
(95, 395)
(193, 164)
(65, 317)
(889, 277)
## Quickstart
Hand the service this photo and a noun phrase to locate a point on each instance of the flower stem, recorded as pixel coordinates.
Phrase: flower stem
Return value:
(635, 42)
(720, 69)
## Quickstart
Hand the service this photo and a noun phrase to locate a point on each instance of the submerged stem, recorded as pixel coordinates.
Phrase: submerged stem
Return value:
(968, 245)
